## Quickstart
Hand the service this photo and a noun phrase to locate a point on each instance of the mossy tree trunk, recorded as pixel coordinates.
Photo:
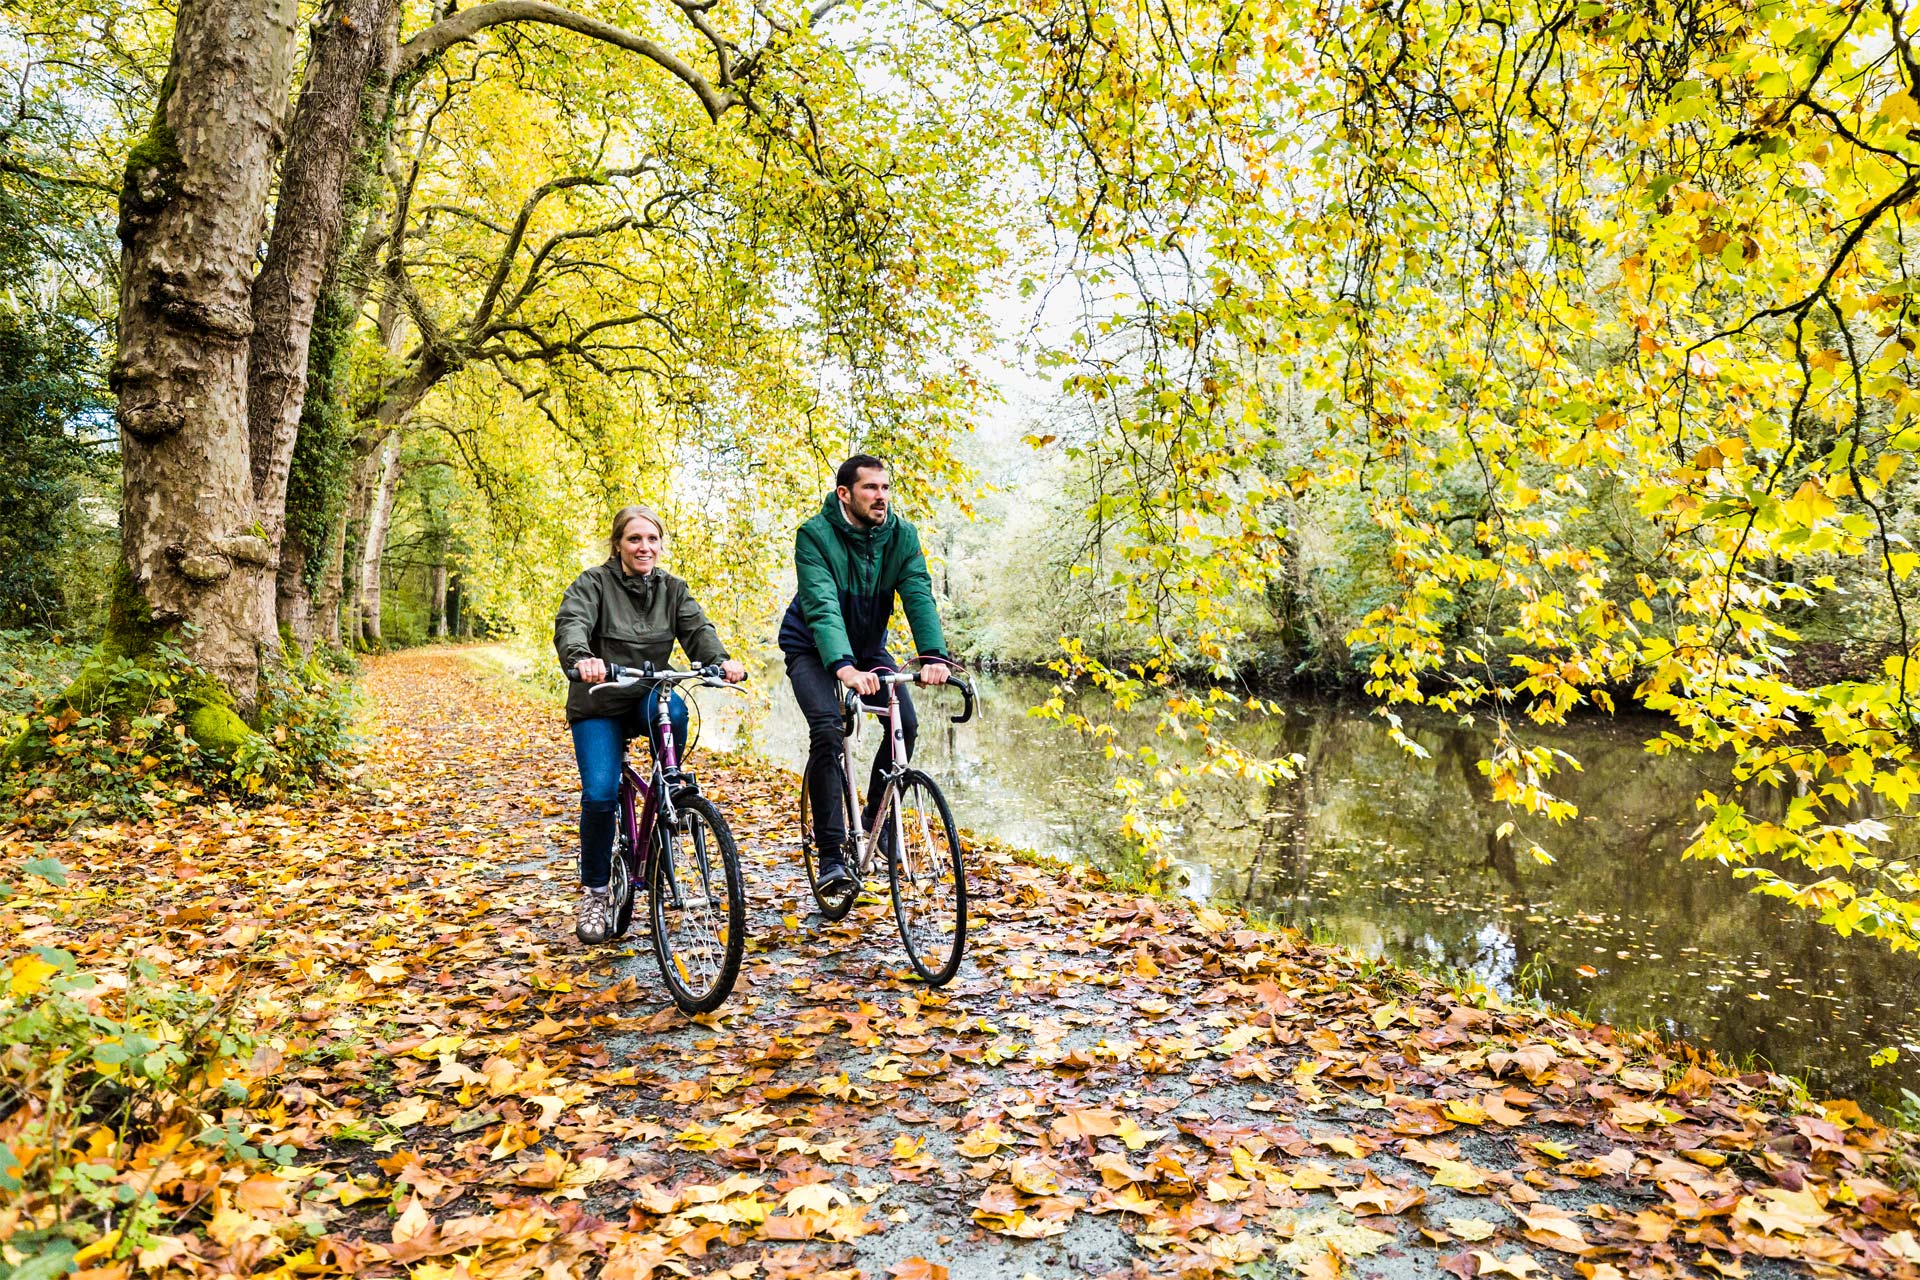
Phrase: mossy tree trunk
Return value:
(344, 588)
(308, 298)
(326, 595)
(212, 372)
(191, 216)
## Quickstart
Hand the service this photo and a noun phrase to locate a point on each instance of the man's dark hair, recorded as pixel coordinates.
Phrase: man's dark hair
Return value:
(849, 473)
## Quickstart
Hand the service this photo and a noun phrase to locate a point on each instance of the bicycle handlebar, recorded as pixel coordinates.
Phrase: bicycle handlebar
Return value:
(913, 677)
(966, 711)
(619, 677)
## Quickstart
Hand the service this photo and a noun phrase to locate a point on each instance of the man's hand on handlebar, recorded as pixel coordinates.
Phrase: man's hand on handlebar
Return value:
(591, 670)
(934, 673)
(733, 671)
(864, 683)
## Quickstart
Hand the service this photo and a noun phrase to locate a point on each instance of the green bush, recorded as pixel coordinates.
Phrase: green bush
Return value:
(129, 734)
(96, 1079)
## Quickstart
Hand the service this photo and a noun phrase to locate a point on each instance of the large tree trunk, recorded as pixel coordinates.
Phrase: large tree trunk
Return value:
(339, 129)
(349, 73)
(320, 482)
(374, 549)
(292, 602)
(191, 212)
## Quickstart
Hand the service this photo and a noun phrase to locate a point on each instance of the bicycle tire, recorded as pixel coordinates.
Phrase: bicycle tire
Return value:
(620, 882)
(927, 874)
(682, 863)
(837, 906)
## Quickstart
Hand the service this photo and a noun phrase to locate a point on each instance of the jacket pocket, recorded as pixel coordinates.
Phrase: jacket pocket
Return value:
(631, 646)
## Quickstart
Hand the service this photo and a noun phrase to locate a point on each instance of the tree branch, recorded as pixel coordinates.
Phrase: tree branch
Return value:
(443, 35)
(9, 165)
(503, 266)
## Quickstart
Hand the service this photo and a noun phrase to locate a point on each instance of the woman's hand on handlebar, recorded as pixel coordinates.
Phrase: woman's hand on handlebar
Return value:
(591, 670)
(733, 671)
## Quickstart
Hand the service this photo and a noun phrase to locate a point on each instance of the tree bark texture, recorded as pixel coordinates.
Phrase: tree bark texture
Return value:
(437, 610)
(346, 578)
(326, 599)
(374, 549)
(212, 370)
(338, 128)
(191, 211)
(292, 603)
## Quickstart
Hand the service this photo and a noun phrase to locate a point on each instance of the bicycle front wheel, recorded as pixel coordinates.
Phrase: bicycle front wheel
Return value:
(699, 906)
(929, 880)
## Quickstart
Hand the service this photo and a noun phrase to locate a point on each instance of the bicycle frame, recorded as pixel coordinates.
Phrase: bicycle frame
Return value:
(650, 800)
(890, 779)
(885, 809)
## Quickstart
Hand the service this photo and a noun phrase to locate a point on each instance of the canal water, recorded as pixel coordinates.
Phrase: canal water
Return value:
(1402, 858)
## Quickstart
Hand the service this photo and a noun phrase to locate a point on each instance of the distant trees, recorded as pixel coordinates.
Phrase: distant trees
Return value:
(673, 242)
(57, 466)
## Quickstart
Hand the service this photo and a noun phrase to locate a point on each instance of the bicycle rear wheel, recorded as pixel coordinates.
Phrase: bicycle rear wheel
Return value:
(928, 878)
(699, 907)
(832, 906)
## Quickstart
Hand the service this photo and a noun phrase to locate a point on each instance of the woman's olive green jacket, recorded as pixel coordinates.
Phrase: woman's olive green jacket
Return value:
(612, 615)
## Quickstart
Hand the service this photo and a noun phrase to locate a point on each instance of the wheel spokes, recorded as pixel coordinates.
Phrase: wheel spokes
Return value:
(696, 931)
(929, 898)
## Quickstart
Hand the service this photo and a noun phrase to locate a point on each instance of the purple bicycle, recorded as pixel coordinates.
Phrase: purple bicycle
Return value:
(671, 843)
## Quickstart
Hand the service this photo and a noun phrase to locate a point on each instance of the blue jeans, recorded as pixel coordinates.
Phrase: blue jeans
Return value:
(599, 745)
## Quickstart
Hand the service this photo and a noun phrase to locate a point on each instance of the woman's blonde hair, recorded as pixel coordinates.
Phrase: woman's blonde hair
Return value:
(626, 516)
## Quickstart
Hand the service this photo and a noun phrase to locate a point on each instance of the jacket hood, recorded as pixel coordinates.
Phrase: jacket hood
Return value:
(830, 508)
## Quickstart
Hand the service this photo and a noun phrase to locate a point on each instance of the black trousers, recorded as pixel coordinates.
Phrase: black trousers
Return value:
(818, 693)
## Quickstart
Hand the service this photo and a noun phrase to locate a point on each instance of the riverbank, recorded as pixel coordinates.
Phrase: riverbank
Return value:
(1813, 662)
(442, 1082)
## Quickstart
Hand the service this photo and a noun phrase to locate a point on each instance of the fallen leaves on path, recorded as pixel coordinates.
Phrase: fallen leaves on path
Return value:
(445, 1084)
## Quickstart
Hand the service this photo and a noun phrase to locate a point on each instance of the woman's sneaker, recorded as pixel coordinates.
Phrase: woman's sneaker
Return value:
(593, 918)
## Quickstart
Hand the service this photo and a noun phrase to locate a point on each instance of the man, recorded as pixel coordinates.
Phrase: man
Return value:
(850, 560)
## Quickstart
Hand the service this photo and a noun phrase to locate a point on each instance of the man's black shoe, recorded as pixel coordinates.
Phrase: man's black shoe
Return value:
(833, 873)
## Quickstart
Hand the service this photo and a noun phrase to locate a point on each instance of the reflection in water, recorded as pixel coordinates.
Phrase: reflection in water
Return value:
(1402, 858)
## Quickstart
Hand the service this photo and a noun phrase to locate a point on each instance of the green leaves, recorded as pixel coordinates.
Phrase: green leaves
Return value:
(48, 869)
(1604, 333)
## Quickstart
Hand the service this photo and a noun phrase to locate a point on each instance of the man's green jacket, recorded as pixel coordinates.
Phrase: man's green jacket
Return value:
(847, 578)
(609, 614)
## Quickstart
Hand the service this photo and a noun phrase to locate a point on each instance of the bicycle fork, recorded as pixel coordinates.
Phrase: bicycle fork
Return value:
(667, 764)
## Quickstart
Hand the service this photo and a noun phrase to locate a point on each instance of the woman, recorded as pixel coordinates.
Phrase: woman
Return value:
(627, 611)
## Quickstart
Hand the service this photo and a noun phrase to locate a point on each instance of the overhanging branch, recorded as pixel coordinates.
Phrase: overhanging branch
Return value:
(446, 33)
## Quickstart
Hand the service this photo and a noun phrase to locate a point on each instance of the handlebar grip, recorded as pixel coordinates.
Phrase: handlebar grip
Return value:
(614, 672)
(966, 712)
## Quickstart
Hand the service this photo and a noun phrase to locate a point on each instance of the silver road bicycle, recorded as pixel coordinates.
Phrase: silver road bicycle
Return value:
(912, 830)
